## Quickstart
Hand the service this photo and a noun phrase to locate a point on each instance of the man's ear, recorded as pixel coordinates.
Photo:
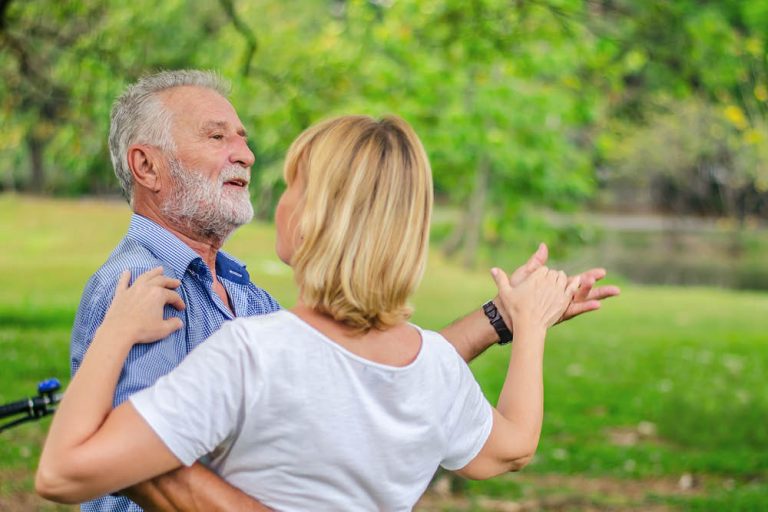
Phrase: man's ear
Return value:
(144, 162)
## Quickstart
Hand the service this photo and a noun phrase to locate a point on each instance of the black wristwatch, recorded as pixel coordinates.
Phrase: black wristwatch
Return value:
(505, 335)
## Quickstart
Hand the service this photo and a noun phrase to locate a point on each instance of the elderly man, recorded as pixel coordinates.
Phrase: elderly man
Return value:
(180, 153)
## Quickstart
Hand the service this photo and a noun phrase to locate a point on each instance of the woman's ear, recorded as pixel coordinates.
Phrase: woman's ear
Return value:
(144, 160)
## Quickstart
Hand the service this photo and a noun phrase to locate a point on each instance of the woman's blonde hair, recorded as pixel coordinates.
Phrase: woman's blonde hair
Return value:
(363, 225)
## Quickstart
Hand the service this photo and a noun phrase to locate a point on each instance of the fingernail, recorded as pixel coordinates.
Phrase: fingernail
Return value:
(494, 271)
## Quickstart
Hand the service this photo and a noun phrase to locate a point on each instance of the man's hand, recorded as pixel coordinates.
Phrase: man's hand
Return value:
(587, 298)
(473, 334)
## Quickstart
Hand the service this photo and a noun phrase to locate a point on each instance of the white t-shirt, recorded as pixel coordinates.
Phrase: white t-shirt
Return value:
(300, 423)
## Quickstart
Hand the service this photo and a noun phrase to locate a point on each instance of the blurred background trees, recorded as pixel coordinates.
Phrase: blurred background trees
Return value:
(645, 105)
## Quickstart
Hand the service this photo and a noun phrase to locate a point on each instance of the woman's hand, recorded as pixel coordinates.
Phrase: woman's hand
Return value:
(136, 312)
(539, 301)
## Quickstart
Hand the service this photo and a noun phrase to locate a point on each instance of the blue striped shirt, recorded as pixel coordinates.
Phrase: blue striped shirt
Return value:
(146, 246)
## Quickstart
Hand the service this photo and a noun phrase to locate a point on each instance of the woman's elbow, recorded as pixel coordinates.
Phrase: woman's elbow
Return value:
(513, 464)
(53, 485)
(520, 462)
(485, 469)
(510, 465)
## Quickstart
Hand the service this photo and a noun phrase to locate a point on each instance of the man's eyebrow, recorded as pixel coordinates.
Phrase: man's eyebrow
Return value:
(221, 125)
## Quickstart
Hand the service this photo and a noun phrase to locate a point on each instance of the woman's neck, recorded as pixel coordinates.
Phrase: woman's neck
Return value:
(398, 345)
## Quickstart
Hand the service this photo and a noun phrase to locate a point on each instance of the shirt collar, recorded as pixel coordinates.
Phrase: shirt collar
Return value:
(168, 248)
(228, 267)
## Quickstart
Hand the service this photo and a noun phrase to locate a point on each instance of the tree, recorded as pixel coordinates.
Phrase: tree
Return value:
(63, 63)
(494, 92)
(690, 122)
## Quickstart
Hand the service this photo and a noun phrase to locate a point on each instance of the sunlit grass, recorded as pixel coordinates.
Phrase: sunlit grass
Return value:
(663, 381)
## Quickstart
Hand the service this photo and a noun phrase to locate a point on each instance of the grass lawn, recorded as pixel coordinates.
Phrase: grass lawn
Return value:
(657, 402)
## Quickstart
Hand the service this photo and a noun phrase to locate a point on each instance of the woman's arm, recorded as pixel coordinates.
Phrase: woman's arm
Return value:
(90, 449)
(535, 305)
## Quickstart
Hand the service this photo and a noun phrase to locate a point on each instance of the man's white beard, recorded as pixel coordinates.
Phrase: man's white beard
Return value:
(205, 206)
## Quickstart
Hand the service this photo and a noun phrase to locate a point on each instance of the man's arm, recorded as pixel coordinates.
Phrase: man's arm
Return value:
(473, 334)
(194, 489)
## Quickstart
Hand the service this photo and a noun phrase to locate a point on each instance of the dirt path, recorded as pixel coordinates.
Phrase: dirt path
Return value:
(566, 493)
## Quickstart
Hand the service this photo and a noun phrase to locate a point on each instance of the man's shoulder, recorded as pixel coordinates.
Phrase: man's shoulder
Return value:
(128, 255)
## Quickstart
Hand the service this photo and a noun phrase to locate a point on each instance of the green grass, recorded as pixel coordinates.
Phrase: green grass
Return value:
(662, 382)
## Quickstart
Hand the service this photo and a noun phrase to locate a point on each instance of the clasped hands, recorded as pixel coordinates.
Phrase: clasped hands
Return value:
(587, 297)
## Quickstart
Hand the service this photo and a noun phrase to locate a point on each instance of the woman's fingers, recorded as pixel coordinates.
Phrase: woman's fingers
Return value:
(148, 275)
(123, 281)
(171, 325)
(501, 279)
(171, 283)
(155, 277)
(573, 286)
(174, 299)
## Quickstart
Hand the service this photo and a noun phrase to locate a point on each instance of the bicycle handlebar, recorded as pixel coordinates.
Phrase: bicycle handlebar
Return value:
(34, 407)
(13, 408)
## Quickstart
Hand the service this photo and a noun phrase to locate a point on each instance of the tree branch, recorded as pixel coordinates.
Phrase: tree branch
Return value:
(251, 42)
(4, 4)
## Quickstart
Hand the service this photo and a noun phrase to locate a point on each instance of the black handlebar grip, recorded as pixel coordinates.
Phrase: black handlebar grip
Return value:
(26, 405)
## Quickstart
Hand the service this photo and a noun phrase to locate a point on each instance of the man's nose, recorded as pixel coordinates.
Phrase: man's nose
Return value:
(242, 154)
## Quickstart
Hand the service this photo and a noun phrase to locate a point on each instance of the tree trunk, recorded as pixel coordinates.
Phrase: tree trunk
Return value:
(475, 212)
(35, 147)
(455, 241)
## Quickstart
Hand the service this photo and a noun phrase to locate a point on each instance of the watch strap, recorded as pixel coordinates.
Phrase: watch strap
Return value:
(496, 320)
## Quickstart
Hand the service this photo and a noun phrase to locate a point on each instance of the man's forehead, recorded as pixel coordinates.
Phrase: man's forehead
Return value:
(200, 108)
(186, 93)
(211, 125)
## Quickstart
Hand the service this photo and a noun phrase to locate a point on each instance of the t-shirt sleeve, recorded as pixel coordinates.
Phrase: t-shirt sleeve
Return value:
(469, 420)
(200, 404)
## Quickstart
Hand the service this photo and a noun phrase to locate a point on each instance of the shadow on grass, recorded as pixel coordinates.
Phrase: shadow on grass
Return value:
(36, 319)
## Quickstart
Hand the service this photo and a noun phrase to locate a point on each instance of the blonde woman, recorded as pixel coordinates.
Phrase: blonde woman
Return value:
(339, 403)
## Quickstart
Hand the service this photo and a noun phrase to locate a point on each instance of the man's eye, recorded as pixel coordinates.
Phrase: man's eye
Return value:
(217, 136)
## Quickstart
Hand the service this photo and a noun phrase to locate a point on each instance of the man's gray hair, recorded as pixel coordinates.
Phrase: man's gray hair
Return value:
(139, 117)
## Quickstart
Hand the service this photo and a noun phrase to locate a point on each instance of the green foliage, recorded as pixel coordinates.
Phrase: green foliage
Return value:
(485, 85)
(704, 159)
(691, 112)
(517, 103)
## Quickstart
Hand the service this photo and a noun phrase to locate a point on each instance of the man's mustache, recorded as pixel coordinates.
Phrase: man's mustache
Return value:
(235, 173)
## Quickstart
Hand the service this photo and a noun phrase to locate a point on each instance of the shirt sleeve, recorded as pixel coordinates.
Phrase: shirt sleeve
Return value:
(95, 300)
(200, 404)
(469, 419)
(146, 362)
